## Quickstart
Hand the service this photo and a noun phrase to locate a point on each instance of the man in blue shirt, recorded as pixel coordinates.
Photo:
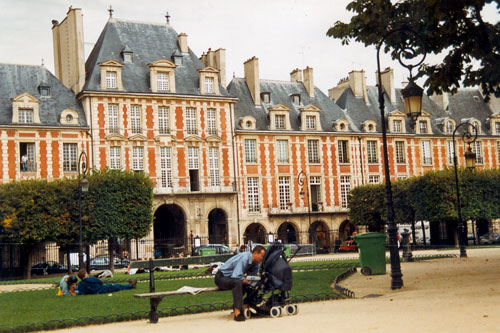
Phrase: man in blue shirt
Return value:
(231, 276)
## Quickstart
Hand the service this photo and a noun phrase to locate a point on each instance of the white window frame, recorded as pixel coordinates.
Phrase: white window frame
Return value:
(163, 119)
(111, 79)
(373, 179)
(212, 121)
(371, 151)
(250, 150)
(477, 148)
(449, 152)
(279, 121)
(115, 157)
(449, 127)
(113, 118)
(423, 127)
(498, 152)
(310, 122)
(26, 116)
(135, 119)
(400, 152)
(497, 127)
(313, 151)
(397, 126)
(315, 181)
(426, 152)
(138, 158)
(282, 151)
(193, 158)
(343, 151)
(253, 194)
(209, 85)
(213, 166)
(70, 156)
(166, 167)
(284, 192)
(162, 81)
(345, 188)
(191, 121)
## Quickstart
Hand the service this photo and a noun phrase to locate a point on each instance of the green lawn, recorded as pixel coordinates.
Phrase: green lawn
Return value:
(27, 307)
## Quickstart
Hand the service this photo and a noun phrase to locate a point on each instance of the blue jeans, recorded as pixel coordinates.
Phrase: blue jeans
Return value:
(109, 288)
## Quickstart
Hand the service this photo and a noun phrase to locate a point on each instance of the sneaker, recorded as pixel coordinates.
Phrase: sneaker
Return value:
(240, 317)
(133, 283)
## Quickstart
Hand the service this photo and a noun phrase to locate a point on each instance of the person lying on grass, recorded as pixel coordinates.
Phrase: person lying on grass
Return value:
(68, 286)
(92, 285)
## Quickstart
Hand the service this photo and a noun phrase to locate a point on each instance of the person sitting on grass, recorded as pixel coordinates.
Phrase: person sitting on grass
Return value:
(68, 286)
(92, 285)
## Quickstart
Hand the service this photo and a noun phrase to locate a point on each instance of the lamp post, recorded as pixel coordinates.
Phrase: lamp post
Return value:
(83, 186)
(302, 181)
(468, 137)
(270, 237)
(412, 95)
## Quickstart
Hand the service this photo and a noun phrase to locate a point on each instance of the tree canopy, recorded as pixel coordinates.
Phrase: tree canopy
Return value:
(452, 27)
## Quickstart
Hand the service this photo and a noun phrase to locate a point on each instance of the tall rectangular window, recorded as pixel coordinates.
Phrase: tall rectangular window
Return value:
(498, 152)
(497, 127)
(253, 194)
(250, 152)
(135, 119)
(194, 166)
(371, 151)
(163, 120)
(422, 126)
(211, 122)
(282, 151)
(315, 188)
(343, 151)
(313, 151)
(209, 85)
(28, 161)
(137, 158)
(310, 122)
(477, 148)
(279, 121)
(113, 118)
(25, 116)
(162, 82)
(213, 165)
(397, 126)
(426, 152)
(69, 156)
(373, 179)
(284, 192)
(345, 187)
(110, 80)
(449, 152)
(115, 158)
(166, 167)
(191, 127)
(400, 152)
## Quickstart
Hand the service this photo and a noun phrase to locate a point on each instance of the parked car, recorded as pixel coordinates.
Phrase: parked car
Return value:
(50, 267)
(102, 262)
(348, 246)
(489, 238)
(219, 249)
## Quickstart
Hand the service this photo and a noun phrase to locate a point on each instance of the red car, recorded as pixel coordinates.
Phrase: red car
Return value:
(348, 246)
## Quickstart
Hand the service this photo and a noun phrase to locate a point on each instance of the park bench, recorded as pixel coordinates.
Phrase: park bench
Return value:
(156, 297)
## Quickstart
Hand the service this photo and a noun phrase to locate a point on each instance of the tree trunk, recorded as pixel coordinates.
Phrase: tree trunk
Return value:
(111, 252)
(68, 259)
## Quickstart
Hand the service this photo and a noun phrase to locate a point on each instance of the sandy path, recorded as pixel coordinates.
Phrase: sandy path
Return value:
(443, 295)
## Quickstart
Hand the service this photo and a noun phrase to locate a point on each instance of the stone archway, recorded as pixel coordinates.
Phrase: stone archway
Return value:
(255, 233)
(169, 230)
(217, 227)
(287, 233)
(346, 230)
(319, 234)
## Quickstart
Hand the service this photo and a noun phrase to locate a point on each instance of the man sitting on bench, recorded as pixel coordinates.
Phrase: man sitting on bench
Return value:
(231, 276)
(92, 285)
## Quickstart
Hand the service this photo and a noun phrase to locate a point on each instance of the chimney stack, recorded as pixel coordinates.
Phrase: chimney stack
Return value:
(441, 100)
(69, 56)
(296, 75)
(252, 78)
(357, 83)
(220, 64)
(308, 81)
(183, 42)
(210, 58)
(387, 77)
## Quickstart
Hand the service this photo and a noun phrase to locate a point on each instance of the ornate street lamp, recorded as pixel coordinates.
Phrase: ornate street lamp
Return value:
(302, 181)
(412, 95)
(83, 187)
(468, 137)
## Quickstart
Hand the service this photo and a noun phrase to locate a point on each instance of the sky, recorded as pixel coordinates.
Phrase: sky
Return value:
(283, 34)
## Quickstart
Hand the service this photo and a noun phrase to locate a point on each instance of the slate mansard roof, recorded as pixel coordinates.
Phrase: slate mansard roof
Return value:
(18, 79)
(148, 42)
(281, 93)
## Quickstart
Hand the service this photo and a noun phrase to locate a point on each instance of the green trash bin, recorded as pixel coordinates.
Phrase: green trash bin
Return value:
(371, 252)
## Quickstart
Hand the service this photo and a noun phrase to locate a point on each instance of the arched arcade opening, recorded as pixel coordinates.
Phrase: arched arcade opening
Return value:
(255, 233)
(319, 234)
(287, 233)
(217, 227)
(169, 230)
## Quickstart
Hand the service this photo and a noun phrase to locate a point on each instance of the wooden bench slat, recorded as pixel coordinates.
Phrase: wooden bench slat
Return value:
(173, 292)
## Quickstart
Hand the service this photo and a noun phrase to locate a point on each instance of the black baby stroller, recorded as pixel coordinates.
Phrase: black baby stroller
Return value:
(268, 293)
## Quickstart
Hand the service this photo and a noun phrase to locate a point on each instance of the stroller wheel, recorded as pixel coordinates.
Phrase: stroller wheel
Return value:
(296, 309)
(290, 309)
(275, 312)
(247, 313)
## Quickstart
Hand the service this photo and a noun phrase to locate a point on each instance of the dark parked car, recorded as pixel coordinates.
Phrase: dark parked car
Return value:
(50, 267)
(102, 262)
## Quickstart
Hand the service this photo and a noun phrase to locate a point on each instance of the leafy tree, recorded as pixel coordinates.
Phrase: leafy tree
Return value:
(453, 27)
(367, 206)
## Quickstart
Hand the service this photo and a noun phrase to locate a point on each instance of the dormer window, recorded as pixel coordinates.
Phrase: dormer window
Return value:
(422, 125)
(162, 81)
(44, 91)
(497, 127)
(127, 55)
(397, 126)
(477, 125)
(449, 127)
(110, 80)
(111, 75)
(310, 122)
(279, 118)
(162, 76)
(369, 126)
(209, 85)
(69, 118)
(178, 60)
(296, 99)
(26, 116)
(209, 81)
(341, 125)
(279, 121)
(265, 97)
